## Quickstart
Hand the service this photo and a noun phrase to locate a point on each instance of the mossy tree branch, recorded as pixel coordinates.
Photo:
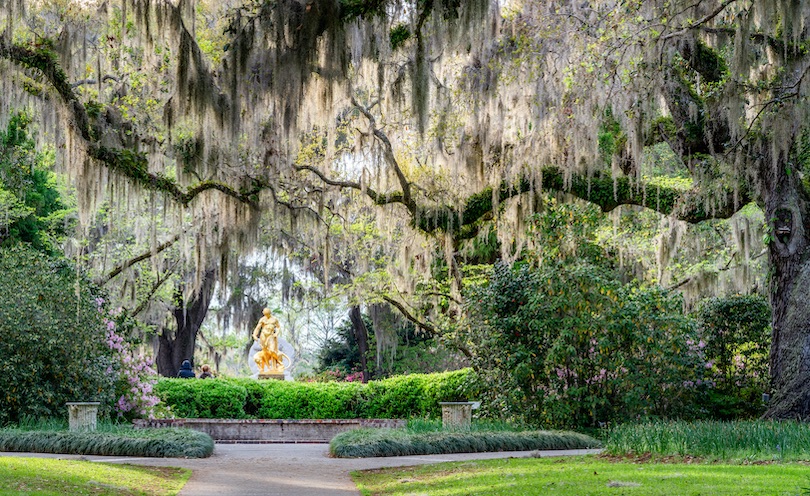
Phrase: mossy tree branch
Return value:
(139, 258)
(601, 190)
(128, 163)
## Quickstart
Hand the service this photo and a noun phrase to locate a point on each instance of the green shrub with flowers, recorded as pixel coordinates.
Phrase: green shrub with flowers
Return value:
(58, 344)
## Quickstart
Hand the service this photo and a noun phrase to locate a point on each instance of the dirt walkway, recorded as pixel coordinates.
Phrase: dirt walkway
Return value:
(286, 469)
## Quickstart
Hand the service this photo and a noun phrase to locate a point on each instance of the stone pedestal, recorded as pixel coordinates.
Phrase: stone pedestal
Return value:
(456, 414)
(278, 377)
(82, 415)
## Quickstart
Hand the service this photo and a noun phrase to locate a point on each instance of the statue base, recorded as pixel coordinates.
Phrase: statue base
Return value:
(279, 376)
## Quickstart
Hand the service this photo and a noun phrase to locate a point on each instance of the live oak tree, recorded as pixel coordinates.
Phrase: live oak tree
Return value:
(446, 116)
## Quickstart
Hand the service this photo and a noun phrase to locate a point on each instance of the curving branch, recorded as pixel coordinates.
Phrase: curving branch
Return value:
(140, 258)
(376, 197)
(699, 22)
(388, 153)
(425, 326)
(131, 164)
(104, 79)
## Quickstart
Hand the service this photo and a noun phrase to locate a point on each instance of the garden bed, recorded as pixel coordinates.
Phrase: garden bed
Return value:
(270, 430)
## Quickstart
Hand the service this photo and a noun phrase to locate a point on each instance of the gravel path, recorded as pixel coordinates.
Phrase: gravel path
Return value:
(286, 469)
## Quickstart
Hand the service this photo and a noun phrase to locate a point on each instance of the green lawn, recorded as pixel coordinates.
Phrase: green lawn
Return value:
(581, 476)
(48, 476)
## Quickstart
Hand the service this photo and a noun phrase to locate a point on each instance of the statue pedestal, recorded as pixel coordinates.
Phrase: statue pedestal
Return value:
(276, 376)
(82, 415)
(456, 414)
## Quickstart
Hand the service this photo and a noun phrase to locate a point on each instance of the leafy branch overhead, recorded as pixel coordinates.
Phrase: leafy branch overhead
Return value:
(129, 163)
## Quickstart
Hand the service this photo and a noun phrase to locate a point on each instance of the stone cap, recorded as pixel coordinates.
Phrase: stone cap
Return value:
(475, 404)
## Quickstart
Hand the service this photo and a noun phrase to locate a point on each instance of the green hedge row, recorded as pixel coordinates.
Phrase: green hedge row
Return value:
(408, 396)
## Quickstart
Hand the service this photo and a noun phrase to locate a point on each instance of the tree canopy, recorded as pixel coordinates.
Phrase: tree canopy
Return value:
(382, 140)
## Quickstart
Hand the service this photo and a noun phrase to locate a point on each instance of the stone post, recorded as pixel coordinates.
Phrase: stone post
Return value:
(456, 414)
(82, 415)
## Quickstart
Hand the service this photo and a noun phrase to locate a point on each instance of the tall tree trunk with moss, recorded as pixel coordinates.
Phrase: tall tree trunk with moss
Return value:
(361, 335)
(189, 314)
(788, 212)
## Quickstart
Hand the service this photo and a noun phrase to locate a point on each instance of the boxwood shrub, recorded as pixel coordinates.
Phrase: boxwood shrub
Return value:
(409, 396)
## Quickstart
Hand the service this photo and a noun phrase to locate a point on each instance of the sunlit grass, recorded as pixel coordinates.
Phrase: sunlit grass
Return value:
(47, 476)
(580, 476)
(738, 441)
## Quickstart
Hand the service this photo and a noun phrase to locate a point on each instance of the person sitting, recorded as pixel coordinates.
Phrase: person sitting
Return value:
(186, 372)
(206, 372)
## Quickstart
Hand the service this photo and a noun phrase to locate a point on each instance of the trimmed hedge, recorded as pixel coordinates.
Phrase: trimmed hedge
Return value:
(147, 442)
(359, 443)
(403, 397)
(203, 399)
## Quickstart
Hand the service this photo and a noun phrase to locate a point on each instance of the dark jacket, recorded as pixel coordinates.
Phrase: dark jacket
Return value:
(185, 370)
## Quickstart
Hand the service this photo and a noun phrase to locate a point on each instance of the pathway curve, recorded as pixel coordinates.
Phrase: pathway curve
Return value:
(287, 469)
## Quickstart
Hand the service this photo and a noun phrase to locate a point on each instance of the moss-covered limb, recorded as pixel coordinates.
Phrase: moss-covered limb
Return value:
(608, 193)
(376, 197)
(129, 163)
(602, 190)
(44, 61)
(140, 258)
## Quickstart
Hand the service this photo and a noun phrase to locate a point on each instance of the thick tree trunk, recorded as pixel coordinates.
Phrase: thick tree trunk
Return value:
(788, 214)
(174, 347)
(361, 335)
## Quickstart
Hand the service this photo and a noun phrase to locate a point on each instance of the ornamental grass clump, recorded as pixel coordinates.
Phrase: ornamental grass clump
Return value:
(738, 441)
(360, 443)
(116, 442)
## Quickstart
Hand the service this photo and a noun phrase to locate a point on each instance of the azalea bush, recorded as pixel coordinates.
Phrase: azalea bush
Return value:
(132, 372)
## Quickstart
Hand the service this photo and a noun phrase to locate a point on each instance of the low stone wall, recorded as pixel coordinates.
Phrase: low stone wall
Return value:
(269, 430)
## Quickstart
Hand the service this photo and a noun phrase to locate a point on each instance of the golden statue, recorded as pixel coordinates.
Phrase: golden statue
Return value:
(269, 359)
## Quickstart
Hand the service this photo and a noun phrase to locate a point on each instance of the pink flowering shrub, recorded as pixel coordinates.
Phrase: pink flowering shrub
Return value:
(133, 375)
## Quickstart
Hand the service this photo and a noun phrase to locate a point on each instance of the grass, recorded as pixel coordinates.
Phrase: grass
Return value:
(582, 476)
(729, 441)
(109, 439)
(425, 438)
(47, 476)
